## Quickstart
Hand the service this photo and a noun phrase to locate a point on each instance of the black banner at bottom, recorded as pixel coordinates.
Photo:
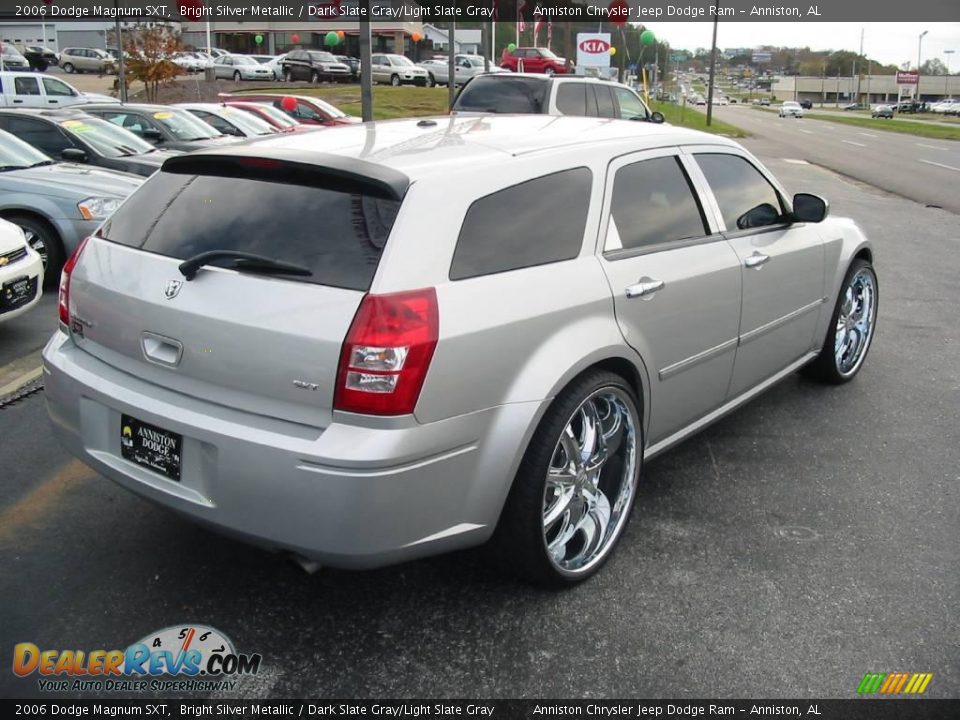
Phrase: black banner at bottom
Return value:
(854, 709)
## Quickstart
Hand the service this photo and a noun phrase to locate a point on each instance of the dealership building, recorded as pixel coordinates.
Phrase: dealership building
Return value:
(869, 89)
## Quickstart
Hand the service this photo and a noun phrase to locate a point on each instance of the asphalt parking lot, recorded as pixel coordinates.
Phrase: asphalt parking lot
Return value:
(797, 544)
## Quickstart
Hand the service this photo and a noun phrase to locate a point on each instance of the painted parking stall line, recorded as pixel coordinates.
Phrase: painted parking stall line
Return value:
(940, 165)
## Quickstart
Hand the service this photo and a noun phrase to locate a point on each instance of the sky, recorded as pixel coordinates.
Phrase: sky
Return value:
(890, 43)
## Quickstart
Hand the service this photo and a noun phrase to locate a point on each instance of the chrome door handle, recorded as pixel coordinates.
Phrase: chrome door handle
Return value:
(756, 260)
(646, 286)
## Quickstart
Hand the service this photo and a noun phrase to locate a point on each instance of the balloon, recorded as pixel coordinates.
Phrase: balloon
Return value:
(613, 51)
(619, 12)
(288, 103)
(647, 37)
(295, 38)
(258, 39)
(331, 39)
(341, 34)
(416, 37)
(511, 47)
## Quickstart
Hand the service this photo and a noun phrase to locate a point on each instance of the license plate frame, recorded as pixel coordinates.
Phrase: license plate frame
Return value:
(151, 447)
(12, 297)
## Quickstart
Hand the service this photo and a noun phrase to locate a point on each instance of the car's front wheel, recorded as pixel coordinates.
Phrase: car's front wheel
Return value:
(315, 77)
(431, 81)
(548, 71)
(45, 241)
(851, 328)
(287, 75)
(236, 76)
(576, 486)
(67, 67)
(395, 80)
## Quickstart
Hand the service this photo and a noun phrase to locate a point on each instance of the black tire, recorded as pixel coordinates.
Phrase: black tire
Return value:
(68, 68)
(519, 544)
(431, 80)
(825, 366)
(548, 71)
(395, 80)
(287, 75)
(236, 76)
(315, 77)
(44, 239)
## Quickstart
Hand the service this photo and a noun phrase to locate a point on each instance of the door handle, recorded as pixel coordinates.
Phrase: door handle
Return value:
(756, 260)
(647, 286)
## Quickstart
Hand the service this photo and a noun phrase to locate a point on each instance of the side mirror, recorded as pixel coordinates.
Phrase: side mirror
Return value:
(760, 216)
(809, 208)
(73, 155)
(657, 117)
(152, 134)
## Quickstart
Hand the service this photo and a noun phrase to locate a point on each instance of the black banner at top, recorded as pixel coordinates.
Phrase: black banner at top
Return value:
(613, 11)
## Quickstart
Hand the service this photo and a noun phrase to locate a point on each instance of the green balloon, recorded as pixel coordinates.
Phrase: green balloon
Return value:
(647, 37)
(331, 38)
(258, 39)
(511, 47)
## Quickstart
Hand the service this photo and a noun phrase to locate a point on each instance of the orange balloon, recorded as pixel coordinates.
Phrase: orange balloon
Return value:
(341, 34)
(416, 37)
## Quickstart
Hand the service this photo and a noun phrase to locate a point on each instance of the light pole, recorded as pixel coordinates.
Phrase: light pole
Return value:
(946, 77)
(919, 45)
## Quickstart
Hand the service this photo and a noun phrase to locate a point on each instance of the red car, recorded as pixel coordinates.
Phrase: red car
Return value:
(533, 60)
(309, 110)
(275, 117)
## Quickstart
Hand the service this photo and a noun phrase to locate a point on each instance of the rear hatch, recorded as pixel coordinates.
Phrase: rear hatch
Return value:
(254, 339)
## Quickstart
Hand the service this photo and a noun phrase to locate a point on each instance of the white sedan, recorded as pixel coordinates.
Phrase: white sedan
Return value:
(791, 109)
(241, 67)
(21, 273)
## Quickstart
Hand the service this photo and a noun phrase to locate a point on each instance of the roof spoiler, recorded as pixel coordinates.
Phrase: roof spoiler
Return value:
(295, 167)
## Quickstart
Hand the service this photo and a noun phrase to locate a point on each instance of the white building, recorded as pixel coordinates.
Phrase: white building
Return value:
(872, 88)
(468, 42)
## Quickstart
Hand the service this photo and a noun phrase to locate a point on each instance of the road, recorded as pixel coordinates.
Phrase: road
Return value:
(921, 169)
(809, 538)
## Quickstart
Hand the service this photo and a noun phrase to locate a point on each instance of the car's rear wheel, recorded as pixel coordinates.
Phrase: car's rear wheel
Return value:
(287, 75)
(548, 71)
(851, 328)
(395, 80)
(431, 81)
(67, 67)
(576, 486)
(45, 241)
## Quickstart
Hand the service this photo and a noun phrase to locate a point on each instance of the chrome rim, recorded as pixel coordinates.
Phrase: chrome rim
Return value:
(855, 322)
(591, 481)
(36, 241)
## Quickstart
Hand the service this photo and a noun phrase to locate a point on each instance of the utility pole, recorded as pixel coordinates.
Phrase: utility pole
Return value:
(916, 98)
(451, 65)
(713, 71)
(946, 77)
(366, 81)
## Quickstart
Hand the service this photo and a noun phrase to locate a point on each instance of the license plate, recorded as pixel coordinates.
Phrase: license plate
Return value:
(17, 293)
(151, 447)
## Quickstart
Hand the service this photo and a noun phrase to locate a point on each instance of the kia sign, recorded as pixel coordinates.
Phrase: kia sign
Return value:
(910, 77)
(593, 50)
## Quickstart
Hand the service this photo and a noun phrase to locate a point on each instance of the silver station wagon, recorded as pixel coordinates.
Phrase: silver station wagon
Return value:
(396, 339)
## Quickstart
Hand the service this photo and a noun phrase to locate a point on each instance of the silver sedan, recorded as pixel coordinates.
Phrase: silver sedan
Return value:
(241, 67)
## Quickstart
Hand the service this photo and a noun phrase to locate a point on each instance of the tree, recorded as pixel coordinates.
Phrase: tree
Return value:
(933, 66)
(149, 49)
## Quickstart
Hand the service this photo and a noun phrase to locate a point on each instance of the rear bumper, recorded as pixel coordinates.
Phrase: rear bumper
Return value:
(345, 496)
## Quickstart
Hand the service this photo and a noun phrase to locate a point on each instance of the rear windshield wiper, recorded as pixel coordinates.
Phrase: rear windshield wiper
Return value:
(242, 261)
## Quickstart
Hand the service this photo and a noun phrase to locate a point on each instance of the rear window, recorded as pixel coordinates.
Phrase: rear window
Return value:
(339, 236)
(500, 94)
(534, 223)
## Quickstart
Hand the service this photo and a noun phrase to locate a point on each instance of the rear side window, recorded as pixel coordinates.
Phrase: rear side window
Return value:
(503, 95)
(339, 236)
(572, 98)
(653, 204)
(534, 223)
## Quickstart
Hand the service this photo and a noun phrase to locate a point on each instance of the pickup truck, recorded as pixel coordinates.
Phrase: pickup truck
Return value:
(28, 89)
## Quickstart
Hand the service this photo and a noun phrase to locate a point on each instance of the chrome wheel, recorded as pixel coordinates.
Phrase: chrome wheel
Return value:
(591, 481)
(37, 242)
(855, 322)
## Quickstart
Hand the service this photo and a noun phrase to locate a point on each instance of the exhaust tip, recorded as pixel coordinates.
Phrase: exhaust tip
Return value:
(308, 566)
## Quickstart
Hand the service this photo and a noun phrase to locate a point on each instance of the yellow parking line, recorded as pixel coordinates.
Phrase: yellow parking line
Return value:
(32, 508)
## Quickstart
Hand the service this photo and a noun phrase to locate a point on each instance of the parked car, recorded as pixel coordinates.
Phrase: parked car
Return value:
(396, 70)
(882, 111)
(855, 106)
(169, 127)
(13, 60)
(214, 52)
(240, 67)
(40, 53)
(765, 102)
(87, 60)
(272, 115)
(21, 273)
(421, 425)
(55, 204)
(533, 60)
(309, 110)
(193, 62)
(465, 67)
(543, 94)
(272, 62)
(229, 120)
(74, 136)
(790, 109)
(806, 104)
(27, 89)
(313, 65)
(352, 63)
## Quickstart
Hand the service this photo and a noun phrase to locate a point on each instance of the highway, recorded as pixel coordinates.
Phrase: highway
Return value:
(920, 169)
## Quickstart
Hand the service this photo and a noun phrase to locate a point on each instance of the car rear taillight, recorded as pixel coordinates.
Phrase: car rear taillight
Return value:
(65, 283)
(387, 353)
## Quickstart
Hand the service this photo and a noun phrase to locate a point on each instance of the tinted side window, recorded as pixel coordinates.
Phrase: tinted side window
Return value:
(605, 107)
(630, 105)
(572, 98)
(738, 187)
(503, 95)
(26, 86)
(44, 137)
(52, 86)
(653, 203)
(534, 223)
(181, 215)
